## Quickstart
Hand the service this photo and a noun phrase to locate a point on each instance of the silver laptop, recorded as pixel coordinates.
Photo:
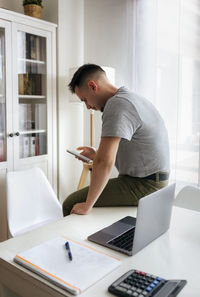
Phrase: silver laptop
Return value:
(129, 235)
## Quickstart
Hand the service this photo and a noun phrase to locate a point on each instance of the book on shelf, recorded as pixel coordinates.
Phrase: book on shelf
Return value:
(42, 144)
(30, 84)
(21, 84)
(28, 56)
(35, 80)
(30, 46)
(40, 116)
(21, 147)
(32, 116)
(22, 116)
(32, 146)
(24, 86)
(32, 40)
(35, 47)
(38, 45)
(25, 116)
(37, 151)
(42, 49)
(26, 146)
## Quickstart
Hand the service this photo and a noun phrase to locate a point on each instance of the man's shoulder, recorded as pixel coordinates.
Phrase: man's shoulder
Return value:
(117, 103)
(124, 99)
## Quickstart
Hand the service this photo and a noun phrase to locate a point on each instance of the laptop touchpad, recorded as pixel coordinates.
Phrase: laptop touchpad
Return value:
(119, 227)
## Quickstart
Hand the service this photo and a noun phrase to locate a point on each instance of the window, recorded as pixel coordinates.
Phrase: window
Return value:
(167, 71)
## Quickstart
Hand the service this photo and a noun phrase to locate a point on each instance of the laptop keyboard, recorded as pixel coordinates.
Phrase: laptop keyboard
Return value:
(124, 241)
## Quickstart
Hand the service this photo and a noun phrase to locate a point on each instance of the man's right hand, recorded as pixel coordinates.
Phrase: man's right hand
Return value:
(87, 151)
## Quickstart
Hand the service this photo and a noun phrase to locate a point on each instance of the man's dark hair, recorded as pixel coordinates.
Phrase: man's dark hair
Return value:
(82, 74)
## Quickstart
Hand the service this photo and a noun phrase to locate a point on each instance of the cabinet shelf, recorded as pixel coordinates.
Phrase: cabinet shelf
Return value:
(31, 97)
(31, 61)
(32, 132)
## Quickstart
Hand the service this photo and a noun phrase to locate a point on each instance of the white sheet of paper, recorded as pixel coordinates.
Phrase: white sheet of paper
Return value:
(50, 259)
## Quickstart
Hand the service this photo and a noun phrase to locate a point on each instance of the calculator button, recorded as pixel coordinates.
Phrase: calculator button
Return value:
(133, 288)
(124, 285)
(144, 293)
(148, 289)
(159, 279)
(121, 289)
(135, 294)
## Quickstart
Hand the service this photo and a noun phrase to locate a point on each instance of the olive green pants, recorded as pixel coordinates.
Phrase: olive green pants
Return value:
(121, 191)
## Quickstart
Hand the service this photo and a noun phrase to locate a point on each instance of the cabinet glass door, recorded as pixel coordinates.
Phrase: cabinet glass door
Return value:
(2, 97)
(32, 95)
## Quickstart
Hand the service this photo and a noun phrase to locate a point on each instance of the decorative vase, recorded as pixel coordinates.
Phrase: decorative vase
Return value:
(33, 10)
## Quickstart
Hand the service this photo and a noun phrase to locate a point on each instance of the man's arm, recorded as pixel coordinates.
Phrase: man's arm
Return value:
(102, 166)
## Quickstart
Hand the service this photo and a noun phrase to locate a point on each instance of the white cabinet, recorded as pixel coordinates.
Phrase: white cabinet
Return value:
(27, 99)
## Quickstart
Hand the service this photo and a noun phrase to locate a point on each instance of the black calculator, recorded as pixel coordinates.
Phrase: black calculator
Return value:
(141, 284)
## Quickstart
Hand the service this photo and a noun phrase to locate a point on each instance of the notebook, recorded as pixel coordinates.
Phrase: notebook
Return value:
(129, 235)
(50, 260)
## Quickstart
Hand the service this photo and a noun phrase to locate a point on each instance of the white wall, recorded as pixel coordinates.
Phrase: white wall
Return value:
(14, 5)
(70, 115)
(49, 13)
(95, 32)
(108, 36)
(108, 42)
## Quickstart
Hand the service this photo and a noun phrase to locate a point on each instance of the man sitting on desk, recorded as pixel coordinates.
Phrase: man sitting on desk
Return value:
(133, 137)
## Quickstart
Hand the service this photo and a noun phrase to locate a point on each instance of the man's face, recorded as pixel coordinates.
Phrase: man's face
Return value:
(89, 96)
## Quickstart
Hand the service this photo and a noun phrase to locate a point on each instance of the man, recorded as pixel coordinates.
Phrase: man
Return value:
(134, 138)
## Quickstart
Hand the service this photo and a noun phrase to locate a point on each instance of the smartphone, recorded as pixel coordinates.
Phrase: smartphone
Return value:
(85, 159)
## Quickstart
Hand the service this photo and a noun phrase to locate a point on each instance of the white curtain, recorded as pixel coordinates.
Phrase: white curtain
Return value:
(166, 70)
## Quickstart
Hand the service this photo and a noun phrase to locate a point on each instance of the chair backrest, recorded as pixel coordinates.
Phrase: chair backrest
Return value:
(188, 197)
(31, 201)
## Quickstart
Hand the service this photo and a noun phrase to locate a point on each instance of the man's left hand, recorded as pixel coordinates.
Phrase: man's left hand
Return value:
(81, 209)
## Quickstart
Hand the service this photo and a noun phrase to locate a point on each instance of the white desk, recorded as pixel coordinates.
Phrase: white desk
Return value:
(176, 254)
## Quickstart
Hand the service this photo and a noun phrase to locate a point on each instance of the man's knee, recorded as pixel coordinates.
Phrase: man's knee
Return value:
(68, 204)
(76, 197)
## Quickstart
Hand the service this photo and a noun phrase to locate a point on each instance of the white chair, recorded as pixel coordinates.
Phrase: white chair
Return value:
(188, 197)
(31, 201)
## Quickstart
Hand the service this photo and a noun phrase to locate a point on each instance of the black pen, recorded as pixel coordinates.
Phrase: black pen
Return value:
(69, 251)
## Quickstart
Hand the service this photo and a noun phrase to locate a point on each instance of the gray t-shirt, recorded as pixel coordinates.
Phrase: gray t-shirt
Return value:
(144, 147)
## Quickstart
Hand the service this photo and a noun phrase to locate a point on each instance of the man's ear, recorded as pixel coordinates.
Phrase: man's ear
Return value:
(92, 85)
